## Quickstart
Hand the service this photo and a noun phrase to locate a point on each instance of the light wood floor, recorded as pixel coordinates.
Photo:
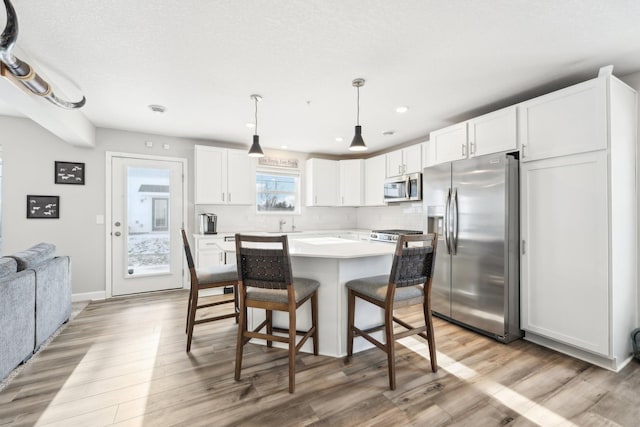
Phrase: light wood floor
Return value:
(123, 362)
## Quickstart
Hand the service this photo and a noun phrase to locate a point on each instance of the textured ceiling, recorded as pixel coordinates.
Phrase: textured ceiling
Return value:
(445, 60)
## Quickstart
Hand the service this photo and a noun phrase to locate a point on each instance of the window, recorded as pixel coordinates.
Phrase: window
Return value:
(277, 192)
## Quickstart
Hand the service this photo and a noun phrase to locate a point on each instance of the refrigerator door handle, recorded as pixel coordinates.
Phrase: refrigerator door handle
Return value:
(447, 221)
(454, 211)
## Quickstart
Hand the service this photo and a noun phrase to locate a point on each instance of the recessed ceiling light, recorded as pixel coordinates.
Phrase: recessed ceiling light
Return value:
(284, 147)
(389, 133)
(250, 125)
(402, 109)
(157, 108)
(339, 139)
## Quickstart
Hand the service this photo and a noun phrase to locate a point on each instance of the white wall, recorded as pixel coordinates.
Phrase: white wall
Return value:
(29, 152)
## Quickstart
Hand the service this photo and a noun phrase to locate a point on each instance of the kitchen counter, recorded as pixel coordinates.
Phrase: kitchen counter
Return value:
(332, 261)
(327, 247)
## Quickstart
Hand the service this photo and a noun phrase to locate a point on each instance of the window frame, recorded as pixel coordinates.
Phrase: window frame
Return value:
(295, 173)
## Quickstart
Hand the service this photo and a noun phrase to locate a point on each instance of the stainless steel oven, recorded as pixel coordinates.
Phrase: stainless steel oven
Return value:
(403, 188)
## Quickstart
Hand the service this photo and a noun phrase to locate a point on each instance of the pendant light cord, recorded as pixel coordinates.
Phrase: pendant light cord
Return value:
(256, 128)
(358, 109)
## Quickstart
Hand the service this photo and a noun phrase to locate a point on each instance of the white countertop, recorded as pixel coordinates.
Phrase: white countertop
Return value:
(292, 234)
(328, 247)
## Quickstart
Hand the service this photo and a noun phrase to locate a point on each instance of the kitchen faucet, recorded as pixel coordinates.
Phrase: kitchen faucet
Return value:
(280, 224)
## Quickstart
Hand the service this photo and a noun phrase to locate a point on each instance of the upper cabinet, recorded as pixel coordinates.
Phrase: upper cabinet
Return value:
(493, 132)
(351, 182)
(321, 182)
(404, 161)
(569, 121)
(223, 176)
(448, 144)
(490, 133)
(374, 176)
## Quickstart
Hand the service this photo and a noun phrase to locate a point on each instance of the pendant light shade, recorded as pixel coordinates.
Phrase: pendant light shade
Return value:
(357, 144)
(256, 150)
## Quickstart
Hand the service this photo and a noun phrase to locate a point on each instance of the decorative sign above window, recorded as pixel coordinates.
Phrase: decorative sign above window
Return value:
(279, 163)
(69, 173)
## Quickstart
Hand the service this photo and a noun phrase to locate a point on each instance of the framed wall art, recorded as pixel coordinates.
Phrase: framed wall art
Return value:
(43, 206)
(69, 173)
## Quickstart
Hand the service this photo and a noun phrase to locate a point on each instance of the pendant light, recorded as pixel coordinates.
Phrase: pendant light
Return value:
(357, 144)
(255, 150)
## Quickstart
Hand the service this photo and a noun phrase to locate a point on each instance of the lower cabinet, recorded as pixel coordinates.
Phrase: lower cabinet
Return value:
(207, 252)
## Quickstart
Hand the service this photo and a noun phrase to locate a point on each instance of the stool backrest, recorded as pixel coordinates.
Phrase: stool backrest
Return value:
(187, 250)
(263, 261)
(413, 265)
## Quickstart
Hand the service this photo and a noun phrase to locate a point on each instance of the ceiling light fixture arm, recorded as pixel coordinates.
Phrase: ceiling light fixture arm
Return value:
(23, 71)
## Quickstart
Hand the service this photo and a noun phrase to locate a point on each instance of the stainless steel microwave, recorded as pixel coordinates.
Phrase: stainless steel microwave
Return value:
(404, 188)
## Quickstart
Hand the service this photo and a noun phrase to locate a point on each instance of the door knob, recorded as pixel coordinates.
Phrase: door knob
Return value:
(117, 233)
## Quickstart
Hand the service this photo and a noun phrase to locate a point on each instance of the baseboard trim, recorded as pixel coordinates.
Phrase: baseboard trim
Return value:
(89, 296)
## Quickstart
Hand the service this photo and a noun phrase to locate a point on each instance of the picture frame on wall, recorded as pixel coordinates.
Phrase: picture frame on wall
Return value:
(69, 173)
(43, 206)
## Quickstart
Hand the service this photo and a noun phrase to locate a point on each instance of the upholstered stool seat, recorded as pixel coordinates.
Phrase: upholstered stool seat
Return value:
(217, 273)
(376, 287)
(302, 289)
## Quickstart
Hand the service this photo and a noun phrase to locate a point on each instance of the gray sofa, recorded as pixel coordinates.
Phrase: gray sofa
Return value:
(35, 299)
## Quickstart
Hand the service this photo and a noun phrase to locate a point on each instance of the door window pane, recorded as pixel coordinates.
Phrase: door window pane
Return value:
(148, 250)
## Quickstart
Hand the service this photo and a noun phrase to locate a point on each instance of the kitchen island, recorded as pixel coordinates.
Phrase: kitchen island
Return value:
(332, 261)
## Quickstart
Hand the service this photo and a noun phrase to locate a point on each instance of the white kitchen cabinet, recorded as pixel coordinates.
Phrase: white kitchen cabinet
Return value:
(207, 251)
(404, 161)
(487, 134)
(374, 176)
(448, 144)
(493, 132)
(322, 178)
(351, 182)
(223, 176)
(568, 121)
(578, 231)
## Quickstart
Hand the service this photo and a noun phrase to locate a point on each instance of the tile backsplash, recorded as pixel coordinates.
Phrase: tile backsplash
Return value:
(244, 218)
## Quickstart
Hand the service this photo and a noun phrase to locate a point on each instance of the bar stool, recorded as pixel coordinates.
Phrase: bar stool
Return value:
(266, 281)
(208, 278)
(408, 284)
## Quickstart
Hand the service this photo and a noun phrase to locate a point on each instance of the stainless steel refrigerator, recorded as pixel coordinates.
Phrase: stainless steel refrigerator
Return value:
(473, 206)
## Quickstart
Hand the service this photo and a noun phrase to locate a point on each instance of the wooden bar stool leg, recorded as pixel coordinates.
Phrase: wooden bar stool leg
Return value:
(186, 327)
(314, 321)
(292, 349)
(351, 306)
(431, 341)
(193, 305)
(269, 318)
(390, 344)
(242, 328)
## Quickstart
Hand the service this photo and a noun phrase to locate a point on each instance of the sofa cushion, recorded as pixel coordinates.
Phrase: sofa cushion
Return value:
(8, 266)
(35, 255)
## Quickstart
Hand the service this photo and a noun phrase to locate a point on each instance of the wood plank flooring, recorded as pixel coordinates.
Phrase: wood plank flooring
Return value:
(123, 362)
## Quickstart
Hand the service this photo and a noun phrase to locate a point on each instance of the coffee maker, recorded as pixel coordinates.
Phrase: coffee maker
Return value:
(208, 223)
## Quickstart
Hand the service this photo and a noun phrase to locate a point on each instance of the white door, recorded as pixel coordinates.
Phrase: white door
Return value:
(146, 217)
